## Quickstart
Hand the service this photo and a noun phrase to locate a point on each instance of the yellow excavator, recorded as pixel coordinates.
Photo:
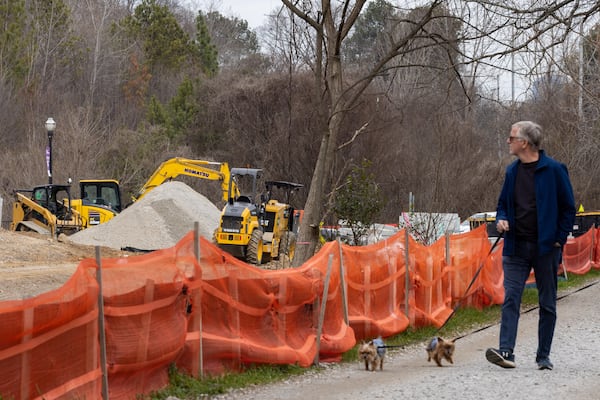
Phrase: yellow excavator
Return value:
(257, 230)
(174, 167)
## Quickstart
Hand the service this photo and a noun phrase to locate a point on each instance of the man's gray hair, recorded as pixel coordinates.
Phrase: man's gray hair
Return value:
(530, 131)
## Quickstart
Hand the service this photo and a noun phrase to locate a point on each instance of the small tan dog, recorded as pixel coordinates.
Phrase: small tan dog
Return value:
(372, 353)
(438, 349)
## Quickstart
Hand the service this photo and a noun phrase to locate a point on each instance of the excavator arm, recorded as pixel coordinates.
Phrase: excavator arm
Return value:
(174, 167)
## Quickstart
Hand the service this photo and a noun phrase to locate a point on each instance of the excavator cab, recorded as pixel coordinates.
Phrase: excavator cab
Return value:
(99, 201)
(104, 192)
(271, 207)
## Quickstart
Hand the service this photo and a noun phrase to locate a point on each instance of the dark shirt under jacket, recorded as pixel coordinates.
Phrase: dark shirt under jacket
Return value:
(525, 204)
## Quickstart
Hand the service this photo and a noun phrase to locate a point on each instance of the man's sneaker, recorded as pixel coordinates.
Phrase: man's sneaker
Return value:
(544, 363)
(503, 358)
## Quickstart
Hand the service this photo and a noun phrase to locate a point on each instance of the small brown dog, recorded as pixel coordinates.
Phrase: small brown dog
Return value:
(372, 354)
(438, 349)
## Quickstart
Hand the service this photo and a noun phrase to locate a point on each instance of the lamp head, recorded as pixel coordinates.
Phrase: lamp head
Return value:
(50, 125)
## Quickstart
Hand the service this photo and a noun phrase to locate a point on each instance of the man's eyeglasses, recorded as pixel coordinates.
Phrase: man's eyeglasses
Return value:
(513, 138)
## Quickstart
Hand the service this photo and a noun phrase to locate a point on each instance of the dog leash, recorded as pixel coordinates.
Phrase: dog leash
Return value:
(529, 310)
(458, 303)
(387, 346)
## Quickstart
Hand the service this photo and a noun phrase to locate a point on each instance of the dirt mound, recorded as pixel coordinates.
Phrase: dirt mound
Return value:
(32, 264)
(157, 221)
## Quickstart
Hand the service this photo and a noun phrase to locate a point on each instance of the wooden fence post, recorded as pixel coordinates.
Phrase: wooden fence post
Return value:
(101, 330)
(199, 305)
(26, 355)
(593, 244)
(343, 283)
(406, 275)
(322, 308)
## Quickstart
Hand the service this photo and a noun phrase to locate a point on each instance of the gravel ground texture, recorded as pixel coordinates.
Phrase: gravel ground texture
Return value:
(408, 375)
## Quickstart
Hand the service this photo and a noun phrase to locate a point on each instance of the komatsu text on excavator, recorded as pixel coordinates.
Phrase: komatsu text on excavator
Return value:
(174, 167)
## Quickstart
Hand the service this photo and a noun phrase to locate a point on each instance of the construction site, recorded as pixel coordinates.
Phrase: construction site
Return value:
(171, 295)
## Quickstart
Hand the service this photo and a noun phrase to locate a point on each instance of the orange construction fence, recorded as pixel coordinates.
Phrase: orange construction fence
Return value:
(197, 307)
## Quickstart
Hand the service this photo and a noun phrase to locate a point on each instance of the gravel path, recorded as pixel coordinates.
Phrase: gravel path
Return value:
(408, 375)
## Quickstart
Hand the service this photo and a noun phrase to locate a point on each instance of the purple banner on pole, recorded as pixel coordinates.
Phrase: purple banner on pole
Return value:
(48, 160)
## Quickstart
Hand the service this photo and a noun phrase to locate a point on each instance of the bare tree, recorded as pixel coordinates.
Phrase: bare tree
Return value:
(333, 24)
(509, 27)
(96, 17)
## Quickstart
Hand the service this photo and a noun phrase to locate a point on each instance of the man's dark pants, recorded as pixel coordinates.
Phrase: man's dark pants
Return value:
(516, 272)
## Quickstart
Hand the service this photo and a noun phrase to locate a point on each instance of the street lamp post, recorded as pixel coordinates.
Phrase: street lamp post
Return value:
(50, 126)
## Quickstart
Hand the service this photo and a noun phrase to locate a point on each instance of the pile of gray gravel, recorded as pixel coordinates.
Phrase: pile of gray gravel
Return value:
(157, 221)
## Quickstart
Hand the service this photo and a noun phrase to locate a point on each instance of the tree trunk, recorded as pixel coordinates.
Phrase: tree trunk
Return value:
(308, 236)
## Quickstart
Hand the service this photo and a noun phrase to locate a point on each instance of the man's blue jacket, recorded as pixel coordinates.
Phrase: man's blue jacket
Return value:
(554, 200)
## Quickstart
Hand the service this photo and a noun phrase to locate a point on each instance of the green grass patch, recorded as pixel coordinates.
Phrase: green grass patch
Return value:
(565, 285)
(576, 281)
(463, 321)
(184, 386)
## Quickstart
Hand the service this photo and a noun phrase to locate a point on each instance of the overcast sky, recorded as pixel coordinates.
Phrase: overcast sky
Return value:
(253, 11)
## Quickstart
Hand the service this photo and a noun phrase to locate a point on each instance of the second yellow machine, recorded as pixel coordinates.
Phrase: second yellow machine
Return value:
(258, 229)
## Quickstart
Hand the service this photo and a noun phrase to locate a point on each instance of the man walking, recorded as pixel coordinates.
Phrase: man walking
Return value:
(536, 212)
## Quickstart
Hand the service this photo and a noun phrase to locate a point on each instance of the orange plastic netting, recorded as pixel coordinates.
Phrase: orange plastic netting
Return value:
(49, 344)
(212, 313)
